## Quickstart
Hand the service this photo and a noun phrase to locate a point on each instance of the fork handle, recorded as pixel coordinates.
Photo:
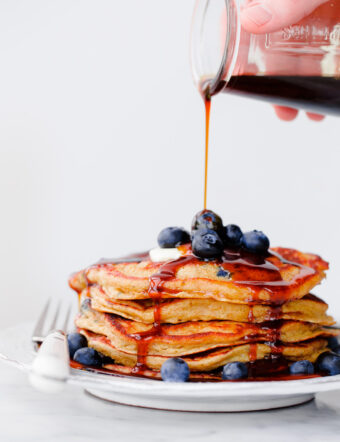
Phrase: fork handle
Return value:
(51, 367)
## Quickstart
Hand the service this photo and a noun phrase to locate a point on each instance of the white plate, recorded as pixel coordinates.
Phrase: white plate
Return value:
(16, 349)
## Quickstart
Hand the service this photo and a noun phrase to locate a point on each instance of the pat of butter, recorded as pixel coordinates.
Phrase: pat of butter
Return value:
(163, 255)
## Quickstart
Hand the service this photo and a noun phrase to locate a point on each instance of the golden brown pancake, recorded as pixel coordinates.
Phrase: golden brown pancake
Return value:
(194, 337)
(242, 308)
(211, 360)
(174, 311)
(277, 280)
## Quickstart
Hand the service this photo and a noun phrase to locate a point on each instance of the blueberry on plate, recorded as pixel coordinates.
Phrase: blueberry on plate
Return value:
(328, 363)
(206, 244)
(302, 367)
(255, 242)
(234, 371)
(88, 356)
(172, 237)
(333, 342)
(75, 342)
(232, 236)
(207, 219)
(175, 370)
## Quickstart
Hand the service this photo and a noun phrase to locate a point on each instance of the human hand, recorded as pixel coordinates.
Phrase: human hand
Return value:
(264, 16)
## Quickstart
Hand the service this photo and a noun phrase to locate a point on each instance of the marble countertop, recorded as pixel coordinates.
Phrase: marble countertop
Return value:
(27, 415)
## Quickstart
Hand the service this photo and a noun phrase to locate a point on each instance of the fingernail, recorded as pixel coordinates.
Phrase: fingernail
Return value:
(259, 15)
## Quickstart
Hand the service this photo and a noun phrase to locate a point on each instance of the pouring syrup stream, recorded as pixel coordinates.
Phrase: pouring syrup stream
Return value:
(207, 104)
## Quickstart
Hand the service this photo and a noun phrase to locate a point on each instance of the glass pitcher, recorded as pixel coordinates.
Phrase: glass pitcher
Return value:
(297, 66)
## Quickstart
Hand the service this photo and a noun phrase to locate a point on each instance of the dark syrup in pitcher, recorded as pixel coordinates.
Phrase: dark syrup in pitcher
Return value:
(313, 93)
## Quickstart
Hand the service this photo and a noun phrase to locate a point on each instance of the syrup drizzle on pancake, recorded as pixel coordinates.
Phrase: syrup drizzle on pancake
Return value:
(166, 272)
(252, 352)
(254, 271)
(245, 268)
(258, 273)
(251, 316)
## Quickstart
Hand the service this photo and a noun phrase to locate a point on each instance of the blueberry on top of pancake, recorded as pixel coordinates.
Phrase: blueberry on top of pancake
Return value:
(207, 219)
(173, 237)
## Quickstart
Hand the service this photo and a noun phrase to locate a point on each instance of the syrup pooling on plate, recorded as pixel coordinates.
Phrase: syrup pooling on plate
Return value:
(260, 371)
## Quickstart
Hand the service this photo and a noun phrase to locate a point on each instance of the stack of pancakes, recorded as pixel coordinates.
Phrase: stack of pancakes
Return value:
(140, 313)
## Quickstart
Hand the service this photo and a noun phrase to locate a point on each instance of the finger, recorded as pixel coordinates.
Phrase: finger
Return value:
(262, 16)
(286, 113)
(315, 117)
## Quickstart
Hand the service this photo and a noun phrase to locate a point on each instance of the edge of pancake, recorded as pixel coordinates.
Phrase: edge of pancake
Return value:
(131, 280)
(212, 360)
(193, 337)
(175, 311)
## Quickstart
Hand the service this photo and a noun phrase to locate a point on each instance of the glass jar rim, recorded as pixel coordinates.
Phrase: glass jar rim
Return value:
(231, 43)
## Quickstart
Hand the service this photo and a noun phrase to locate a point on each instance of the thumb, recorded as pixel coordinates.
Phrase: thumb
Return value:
(262, 16)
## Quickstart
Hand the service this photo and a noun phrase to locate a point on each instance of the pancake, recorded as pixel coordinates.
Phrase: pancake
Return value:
(189, 338)
(211, 360)
(285, 275)
(174, 311)
(242, 307)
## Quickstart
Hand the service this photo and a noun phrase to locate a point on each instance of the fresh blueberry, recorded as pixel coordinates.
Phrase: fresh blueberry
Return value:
(232, 236)
(301, 367)
(234, 371)
(88, 356)
(223, 273)
(333, 342)
(206, 219)
(75, 342)
(329, 363)
(175, 370)
(172, 237)
(207, 244)
(255, 242)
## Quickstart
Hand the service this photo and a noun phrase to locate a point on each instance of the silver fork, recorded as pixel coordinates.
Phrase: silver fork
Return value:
(50, 368)
(48, 320)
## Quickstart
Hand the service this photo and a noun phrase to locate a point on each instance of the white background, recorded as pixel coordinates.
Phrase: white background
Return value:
(101, 146)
